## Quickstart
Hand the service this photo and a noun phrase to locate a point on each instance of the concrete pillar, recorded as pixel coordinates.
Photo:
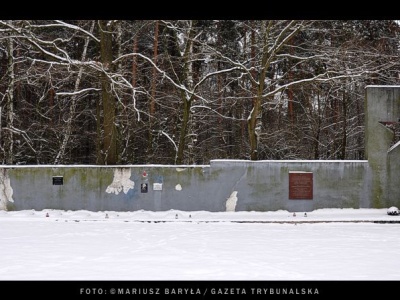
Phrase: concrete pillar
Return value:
(382, 113)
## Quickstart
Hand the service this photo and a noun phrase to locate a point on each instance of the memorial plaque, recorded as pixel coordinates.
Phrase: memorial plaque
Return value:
(144, 187)
(157, 186)
(300, 185)
(58, 180)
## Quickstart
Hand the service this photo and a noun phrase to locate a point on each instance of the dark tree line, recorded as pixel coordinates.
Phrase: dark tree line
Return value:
(187, 91)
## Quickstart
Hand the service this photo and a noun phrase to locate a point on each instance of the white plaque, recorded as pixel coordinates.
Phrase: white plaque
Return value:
(157, 186)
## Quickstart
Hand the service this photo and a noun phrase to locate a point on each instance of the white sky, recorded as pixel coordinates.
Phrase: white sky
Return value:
(83, 245)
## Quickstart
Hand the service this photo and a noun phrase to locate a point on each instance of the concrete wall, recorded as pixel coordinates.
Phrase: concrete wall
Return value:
(244, 185)
(382, 104)
(224, 185)
(264, 185)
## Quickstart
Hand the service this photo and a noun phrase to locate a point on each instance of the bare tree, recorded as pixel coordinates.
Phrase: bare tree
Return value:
(74, 97)
(187, 91)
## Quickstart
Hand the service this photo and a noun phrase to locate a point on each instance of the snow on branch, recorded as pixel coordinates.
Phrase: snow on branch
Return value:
(213, 74)
(163, 73)
(301, 58)
(216, 112)
(77, 92)
(319, 78)
(78, 29)
(283, 40)
(172, 141)
(64, 25)
(23, 134)
(190, 93)
(238, 65)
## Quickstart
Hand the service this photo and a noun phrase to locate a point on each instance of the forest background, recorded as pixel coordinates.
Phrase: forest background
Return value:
(188, 91)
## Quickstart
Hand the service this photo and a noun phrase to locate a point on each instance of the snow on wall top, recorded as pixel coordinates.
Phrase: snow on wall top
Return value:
(287, 161)
(394, 146)
(184, 166)
(382, 86)
(103, 166)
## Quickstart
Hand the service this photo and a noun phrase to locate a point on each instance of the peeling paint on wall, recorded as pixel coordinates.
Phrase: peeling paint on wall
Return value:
(121, 181)
(231, 202)
(6, 191)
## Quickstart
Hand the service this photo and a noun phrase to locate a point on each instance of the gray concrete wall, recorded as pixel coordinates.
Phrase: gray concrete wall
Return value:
(224, 185)
(264, 185)
(382, 104)
(260, 186)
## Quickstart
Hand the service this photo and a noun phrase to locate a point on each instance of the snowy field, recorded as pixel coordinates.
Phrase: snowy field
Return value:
(328, 244)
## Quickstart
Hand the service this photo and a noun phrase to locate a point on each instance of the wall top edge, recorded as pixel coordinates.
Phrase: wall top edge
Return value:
(286, 161)
(184, 166)
(382, 86)
(102, 166)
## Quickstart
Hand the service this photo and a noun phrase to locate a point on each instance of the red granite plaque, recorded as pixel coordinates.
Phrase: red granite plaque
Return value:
(300, 185)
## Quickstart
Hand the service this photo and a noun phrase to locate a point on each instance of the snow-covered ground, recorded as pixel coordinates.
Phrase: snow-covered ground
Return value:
(333, 244)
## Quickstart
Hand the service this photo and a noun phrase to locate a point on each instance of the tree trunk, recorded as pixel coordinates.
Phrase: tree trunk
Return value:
(154, 79)
(110, 134)
(254, 122)
(220, 113)
(251, 122)
(344, 132)
(290, 93)
(99, 132)
(184, 128)
(187, 80)
(317, 137)
(152, 105)
(336, 127)
(243, 107)
(134, 62)
(254, 118)
(72, 108)
(9, 147)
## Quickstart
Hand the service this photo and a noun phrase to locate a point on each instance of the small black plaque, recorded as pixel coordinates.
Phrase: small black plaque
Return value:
(58, 180)
(144, 187)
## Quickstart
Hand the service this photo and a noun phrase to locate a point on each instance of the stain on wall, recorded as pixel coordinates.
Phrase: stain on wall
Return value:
(121, 182)
(6, 191)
